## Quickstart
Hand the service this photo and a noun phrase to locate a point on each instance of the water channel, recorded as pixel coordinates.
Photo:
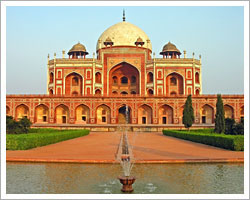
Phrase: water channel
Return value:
(61, 178)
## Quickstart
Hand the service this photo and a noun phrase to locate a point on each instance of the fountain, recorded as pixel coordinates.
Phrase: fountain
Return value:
(125, 157)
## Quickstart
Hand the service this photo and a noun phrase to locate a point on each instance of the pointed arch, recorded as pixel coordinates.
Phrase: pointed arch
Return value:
(51, 77)
(22, 110)
(82, 113)
(124, 77)
(145, 114)
(73, 82)
(166, 114)
(41, 114)
(150, 77)
(207, 114)
(62, 114)
(123, 116)
(103, 114)
(7, 110)
(98, 77)
(229, 111)
(175, 83)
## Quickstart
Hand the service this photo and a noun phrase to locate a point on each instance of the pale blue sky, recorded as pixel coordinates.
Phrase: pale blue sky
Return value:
(217, 33)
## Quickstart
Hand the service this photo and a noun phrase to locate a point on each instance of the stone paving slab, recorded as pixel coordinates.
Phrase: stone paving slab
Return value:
(147, 148)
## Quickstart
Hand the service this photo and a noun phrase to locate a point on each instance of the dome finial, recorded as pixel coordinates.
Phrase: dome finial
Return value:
(123, 15)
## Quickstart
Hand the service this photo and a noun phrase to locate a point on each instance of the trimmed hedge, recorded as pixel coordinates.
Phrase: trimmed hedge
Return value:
(41, 138)
(232, 142)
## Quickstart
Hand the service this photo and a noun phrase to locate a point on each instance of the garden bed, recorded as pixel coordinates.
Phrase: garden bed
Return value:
(207, 136)
(40, 137)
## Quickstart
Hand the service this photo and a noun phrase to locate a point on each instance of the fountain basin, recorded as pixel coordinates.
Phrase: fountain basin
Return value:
(127, 182)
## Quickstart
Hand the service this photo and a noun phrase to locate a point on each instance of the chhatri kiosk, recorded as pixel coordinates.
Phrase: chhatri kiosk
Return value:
(94, 92)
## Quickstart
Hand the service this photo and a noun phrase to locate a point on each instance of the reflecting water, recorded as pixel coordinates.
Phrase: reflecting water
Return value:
(52, 178)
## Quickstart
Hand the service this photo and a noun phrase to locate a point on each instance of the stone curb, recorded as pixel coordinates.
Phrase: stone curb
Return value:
(180, 161)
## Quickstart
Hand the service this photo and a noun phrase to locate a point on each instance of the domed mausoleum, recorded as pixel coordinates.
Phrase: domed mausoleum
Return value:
(123, 74)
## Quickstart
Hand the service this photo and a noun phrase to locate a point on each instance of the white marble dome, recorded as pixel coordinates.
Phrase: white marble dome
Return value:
(123, 34)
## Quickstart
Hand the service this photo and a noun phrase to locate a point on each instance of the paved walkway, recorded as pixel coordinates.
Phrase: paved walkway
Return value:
(147, 148)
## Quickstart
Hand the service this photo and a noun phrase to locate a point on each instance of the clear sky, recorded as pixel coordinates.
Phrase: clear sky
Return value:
(214, 32)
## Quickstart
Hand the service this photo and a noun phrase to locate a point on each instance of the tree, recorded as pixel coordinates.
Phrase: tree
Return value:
(25, 124)
(188, 113)
(17, 127)
(219, 116)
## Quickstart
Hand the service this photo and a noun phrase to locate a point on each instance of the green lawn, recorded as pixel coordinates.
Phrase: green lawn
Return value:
(207, 136)
(41, 137)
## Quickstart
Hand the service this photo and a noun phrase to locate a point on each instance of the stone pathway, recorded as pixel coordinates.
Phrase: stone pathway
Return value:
(147, 148)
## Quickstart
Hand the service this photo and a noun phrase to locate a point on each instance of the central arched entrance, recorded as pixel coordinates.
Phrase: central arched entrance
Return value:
(124, 116)
(174, 85)
(124, 79)
(73, 84)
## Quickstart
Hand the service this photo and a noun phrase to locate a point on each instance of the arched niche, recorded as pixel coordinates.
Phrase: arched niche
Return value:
(62, 114)
(73, 84)
(124, 77)
(144, 114)
(103, 114)
(174, 83)
(41, 114)
(207, 114)
(229, 111)
(82, 114)
(150, 77)
(22, 111)
(124, 115)
(98, 77)
(166, 114)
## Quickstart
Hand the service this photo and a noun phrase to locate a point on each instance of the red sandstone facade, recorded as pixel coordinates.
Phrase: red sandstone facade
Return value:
(97, 90)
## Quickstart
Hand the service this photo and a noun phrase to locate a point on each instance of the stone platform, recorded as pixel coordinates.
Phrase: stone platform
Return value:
(101, 147)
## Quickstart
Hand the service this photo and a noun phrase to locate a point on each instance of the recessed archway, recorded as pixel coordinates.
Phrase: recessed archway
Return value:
(207, 114)
(144, 114)
(22, 111)
(103, 114)
(197, 78)
(62, 114)
(229, 111)
(7, 111)
(41, 114)
(51, 77)
(124, 115)
(124, 78)
(150, 77)
(82, 114)
(73, 84)
(166, 114)
(174, 83)
(98, 77)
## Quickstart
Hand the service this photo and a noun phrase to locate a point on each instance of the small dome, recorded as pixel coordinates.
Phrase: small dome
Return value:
(78, 48)
(139, 40)
(123, 34)
(169, 47)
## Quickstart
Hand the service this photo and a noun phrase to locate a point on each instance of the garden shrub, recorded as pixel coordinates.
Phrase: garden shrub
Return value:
(233, 128)
(17, 127)
(32, 140)
(232, 142)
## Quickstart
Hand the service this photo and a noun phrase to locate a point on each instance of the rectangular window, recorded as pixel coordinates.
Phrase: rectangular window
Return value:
(84, 118)
(144, 120)
(103, 119)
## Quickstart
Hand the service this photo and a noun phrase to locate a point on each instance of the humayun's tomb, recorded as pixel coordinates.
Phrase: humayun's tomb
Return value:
(93, 92)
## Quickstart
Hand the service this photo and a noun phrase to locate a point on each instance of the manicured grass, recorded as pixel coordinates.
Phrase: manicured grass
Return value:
(40, 137)
(207, 136)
